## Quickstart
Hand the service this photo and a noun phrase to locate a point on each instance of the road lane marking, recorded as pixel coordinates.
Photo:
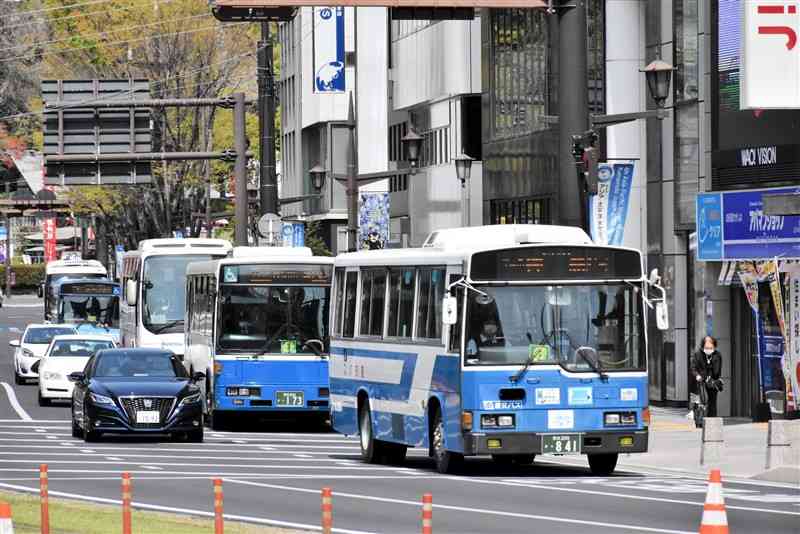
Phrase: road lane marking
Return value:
(186, 511)
(35, 430)
(12, 399)
(51, 436)
(275, 446)
(191, 464)
(616, 495)
(301, 456)
(518, 515)
(153, 467)
(114, 458)
(87, 451)
(62, 446)
(321, 457)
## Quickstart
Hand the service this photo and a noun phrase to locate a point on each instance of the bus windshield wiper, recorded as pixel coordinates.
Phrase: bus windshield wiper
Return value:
(167, 325)
(596, 366)
(519, 374)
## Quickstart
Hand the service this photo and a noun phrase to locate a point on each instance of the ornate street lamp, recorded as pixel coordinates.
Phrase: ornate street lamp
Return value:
(318, 174)
(412, 142)
(658, 75)
(463, 168)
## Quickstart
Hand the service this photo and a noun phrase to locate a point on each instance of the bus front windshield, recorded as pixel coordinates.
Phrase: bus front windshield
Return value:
(164, 291)
(102, 309)
(580, 327)
(273, 319)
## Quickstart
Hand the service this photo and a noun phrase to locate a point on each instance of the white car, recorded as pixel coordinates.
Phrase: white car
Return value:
(32, 346)
(66, 355)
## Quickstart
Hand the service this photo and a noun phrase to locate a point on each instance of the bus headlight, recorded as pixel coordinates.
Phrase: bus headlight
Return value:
(620, 419)
(497, 421)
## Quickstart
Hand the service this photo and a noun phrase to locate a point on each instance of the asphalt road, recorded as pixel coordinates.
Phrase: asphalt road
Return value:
(273, 473)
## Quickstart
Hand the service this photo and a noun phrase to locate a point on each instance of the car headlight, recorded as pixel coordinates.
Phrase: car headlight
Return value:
(28, 354)
(101, 399)
(191, 399)
(50, 375)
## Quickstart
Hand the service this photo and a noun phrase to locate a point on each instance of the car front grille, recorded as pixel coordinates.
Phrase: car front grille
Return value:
(163, 405)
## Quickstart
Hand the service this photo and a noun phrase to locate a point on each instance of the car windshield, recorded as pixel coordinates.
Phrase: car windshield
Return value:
(95, 309)
(273, 319)
(130, 365)
(78, 348)
(43, 336)
(164, 291)
(549, 324)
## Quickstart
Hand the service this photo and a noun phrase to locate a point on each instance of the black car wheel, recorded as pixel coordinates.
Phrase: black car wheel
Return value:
(195, 436)
(76, 428)
(44, 401)
(89, 435)
(18, 380)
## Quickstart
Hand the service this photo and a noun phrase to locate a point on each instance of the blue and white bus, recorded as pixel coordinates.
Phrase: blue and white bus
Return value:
(257, 326)
(509, 341)
(91, 304)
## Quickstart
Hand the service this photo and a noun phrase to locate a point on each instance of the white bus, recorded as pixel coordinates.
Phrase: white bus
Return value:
(510, 341)
(59, 270)
(257, 326)
(154, 284)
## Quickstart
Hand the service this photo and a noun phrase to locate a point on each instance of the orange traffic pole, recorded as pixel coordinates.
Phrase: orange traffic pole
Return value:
(715, 518)
(219, 524)
(6, 525)
(427, 514)
(126, 503)
(45, 502)
(327, 511)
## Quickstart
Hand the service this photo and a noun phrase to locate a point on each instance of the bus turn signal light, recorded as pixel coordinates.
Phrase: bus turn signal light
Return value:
(466, 421)
(646, 416)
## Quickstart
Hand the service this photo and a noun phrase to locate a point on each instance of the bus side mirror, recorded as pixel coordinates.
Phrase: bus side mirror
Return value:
(40, 291)
(130, 292)
(449, 310)
(662, 316)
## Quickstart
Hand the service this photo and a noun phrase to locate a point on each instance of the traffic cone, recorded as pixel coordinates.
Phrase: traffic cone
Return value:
(6, 525)
(715, 520)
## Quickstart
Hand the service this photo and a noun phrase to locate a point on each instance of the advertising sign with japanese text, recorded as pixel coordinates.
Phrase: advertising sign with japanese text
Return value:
(770, 61)
(609, 207)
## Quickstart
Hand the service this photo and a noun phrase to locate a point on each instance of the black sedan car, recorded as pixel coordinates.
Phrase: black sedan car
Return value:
(139, 390)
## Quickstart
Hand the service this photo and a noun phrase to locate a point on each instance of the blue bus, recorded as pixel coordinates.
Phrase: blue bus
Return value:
(510, 341)
(92, 304)
(257, 325)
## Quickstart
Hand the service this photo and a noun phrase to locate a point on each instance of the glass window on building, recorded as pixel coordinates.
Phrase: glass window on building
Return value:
(520, 211)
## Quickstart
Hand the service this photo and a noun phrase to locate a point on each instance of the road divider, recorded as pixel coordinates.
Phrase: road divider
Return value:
(427, 514)
(715, 519)
(6, 523)
(713, 442)
(126, 503)
(327, 511)
(219, 522)
(45, 499)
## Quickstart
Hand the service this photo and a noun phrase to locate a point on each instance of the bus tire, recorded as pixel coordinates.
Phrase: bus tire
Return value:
(216, 421)
(195, 436)
(446, 461)
(603, 464)
(371, 449)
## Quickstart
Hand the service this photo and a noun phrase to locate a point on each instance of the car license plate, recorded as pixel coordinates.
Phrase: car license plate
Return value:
(561, 444)
(290, 398)
(148, 417)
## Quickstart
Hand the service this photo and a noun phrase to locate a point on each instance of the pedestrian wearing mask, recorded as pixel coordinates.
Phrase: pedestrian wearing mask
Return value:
(706, 366)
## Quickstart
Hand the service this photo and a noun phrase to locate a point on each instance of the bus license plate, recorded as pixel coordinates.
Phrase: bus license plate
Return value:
(290, 398)
(561, 444)
(148, 417)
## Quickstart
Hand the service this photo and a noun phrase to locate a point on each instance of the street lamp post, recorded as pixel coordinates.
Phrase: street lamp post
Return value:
(412, 142)
(463, 165)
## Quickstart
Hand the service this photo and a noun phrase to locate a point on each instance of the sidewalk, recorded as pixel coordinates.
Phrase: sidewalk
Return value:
(675, 446)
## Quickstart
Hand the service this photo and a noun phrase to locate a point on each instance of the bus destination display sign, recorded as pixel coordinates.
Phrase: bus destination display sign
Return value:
(279, 275)
(90, 289)
(555, 263)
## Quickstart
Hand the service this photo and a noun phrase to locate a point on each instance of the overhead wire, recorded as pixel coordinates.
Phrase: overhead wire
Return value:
(29, 12)
(77, 15)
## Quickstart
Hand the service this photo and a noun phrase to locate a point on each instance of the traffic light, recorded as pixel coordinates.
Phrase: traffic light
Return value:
(590, 160)
(586, 155)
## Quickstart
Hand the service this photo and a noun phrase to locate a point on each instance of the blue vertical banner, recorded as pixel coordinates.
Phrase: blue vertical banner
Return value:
(608, 209)
(709, 226)
(328, 60)
(293, 234)
(373, 221)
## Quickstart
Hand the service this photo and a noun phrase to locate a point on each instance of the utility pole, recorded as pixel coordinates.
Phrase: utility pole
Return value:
(573, 107)
(240, 169)
(268, 191)
(352, 180)
(8, 245)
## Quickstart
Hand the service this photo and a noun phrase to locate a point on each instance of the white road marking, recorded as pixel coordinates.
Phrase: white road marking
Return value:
(63, 444)
(149, 475)
(35, 430)
(301, 455)
(320, 456)
(87, 451)
(34, 421)
(615, 495)
(12, 399)
(202, 513)
(51, 437)
(192, 464)
(45, 445)
(244, 444)
(113, 458)
(153, 467)
(500, 513)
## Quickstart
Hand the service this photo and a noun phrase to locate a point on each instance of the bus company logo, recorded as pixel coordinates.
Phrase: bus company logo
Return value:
(502, 405)
(325, 13)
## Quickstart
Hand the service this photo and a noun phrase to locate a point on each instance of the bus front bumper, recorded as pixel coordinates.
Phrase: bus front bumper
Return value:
(591, 442)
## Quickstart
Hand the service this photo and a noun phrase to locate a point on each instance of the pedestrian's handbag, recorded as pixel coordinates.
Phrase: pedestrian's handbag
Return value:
(718, 385)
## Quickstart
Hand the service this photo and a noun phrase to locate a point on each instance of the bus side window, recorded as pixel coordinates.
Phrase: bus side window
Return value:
(401, 301)
(350, 290)
(337, 320)
(373, 292)
(455, 330)
(429, 312)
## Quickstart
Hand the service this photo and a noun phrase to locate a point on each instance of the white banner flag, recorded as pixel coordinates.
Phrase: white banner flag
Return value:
(329, 50)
